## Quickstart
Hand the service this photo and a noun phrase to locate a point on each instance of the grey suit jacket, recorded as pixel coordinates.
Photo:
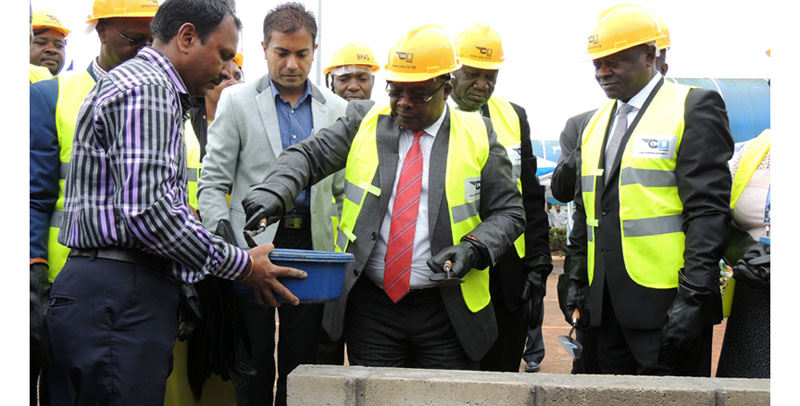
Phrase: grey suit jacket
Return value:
(502, 214)
(243, 142)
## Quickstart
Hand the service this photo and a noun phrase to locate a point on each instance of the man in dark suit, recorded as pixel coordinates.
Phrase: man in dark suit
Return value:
(520, 274)
(424, 185)
(652, 212)
(562, 181)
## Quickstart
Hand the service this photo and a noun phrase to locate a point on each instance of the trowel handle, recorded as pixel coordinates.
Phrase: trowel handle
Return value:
(576, 315)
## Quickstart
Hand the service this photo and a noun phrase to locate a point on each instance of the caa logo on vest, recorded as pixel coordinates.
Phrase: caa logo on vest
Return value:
(654, 146)
(472, 189)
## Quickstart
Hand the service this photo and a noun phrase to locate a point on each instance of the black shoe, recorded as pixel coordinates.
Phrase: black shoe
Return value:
(532, 366)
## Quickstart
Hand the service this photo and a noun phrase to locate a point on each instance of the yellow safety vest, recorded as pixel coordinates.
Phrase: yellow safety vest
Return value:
(751, 158)
(38, 73)
(72, 90)
(650, 210)
(467, 154)
(193, 164)
(506, 124)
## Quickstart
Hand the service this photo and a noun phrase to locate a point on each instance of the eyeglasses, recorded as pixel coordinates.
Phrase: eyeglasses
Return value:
(136, 43)
(414, 98)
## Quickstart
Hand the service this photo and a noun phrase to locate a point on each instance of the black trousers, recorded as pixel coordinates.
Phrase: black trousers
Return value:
(512, 326)
(298, 333)
(627, 351)
(112, 326)
(415, 332)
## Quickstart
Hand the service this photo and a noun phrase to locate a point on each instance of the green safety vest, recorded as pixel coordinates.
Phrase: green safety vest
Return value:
(72, 90)
(193, 164)
(467, 154)
(650, 210)
(506, 124)
(37, 73)
(751, 158)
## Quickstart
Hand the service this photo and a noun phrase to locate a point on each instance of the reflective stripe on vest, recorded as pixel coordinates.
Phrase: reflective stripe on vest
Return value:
(466, 156)
(506, 124)
(751, 158)
(193, 164)
(72, 90)
(651, 212)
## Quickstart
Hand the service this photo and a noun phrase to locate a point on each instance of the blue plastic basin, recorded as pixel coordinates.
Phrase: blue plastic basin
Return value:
(325, 273)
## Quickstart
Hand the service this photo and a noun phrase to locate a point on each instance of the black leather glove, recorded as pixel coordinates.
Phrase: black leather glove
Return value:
(259, 204)
(189, 313)
(534, 287)
(469, 254)
(225, 230)
(573, 290)
(753, 268)
(694, 308)
(39, 303)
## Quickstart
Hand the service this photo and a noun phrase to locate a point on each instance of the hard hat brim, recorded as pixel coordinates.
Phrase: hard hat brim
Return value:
(482, 65)
(145, 14)
(52, 27)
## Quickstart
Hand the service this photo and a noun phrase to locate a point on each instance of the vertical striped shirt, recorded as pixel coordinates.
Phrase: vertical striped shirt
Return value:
(127, 179)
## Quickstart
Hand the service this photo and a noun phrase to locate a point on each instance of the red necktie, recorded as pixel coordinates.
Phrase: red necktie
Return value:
(400, 247)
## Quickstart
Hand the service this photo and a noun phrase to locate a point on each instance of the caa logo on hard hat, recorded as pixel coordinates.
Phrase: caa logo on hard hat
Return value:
(405, 56)
(485, 51)
(594, 39)
(362, 57)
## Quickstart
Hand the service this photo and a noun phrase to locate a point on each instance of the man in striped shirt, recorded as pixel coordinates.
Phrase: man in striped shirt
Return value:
(113, 307)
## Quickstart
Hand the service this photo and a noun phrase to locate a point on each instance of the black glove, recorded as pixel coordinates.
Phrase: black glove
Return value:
(259, 204)
(225, 231)
(534, 287)
(469, 254)
(189, 313)
(39, 302)
(573, 290)
(753, 268)
(694, 308)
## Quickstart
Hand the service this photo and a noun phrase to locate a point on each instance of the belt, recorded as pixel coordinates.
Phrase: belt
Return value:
(130, 255)
(294, 223)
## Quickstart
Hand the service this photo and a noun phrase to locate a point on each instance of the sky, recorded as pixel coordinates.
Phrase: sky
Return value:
(546, 69)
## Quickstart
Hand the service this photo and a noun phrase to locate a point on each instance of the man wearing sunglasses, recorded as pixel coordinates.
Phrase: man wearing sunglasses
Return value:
(429, 205)
(123, 27)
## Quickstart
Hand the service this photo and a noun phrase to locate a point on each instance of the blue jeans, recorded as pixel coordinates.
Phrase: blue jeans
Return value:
(112, 326)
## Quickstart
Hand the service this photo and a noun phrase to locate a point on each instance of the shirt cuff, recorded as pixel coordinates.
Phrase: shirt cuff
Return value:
(234, 262)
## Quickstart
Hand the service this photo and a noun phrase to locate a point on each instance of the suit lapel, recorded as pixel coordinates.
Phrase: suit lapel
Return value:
(269, 116)
(437, 170)
(388, 139)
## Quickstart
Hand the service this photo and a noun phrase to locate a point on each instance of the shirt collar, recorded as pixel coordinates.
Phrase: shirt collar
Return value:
(276, 93)
(638, 100)
(157, 58)
(96, 70)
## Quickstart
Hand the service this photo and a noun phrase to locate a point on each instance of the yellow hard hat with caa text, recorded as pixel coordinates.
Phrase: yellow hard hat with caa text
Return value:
(46, 19)
(122, 8)
(479, 46)
(423, 53)
(354, 53)
(622, 27)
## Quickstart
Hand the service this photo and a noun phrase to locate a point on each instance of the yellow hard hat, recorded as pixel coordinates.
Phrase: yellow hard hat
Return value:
(479, 46)
(239, 60)
(46, 19)
(622, 27)
(663, 42)
(122, 8)
(423, 53)
(354, 53)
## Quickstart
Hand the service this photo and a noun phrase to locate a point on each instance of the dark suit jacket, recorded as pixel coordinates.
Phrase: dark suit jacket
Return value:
(562, 182)
(704, 184)
(508, 275)
(501, 211)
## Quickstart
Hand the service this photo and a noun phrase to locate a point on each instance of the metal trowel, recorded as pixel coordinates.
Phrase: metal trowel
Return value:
(448, 279)
(570, 344)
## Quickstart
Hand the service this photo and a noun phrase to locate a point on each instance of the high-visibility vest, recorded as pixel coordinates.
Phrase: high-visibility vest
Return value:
(650, 210)
(193, 164)
(72, 90)
(751, 159)
(467, 153)
(506, 124)
(37, 73)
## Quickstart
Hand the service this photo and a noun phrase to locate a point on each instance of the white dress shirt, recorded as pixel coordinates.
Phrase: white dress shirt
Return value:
(422, 243)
